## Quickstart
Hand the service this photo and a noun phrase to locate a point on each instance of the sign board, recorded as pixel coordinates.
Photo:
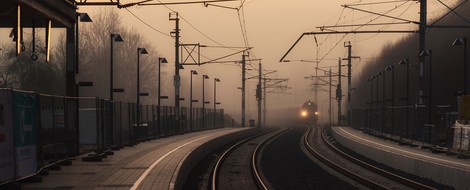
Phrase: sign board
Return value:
(6, 137)
(25, 133)
(464, 111)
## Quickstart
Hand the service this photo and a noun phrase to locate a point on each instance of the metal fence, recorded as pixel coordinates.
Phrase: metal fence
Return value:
(38, 130)
(406, 124)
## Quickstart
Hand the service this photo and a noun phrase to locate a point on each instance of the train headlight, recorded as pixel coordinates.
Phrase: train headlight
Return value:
(303, 113)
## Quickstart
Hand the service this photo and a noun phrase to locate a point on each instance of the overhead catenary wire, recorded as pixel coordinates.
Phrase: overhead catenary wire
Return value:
(167, 35)
(192, 26)
(365, 24)
(452, 10)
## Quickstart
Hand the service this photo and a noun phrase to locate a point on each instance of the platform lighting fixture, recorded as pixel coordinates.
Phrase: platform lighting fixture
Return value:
(463, 42)
(160, 61)
(114, 38)
(428, 53)
(193, 72)
(139, 51)
(216, 80)
(204, 77)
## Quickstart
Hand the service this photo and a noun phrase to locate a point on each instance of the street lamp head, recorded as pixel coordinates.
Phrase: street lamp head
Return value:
(162, 60)
(389, 68)
(373, 77)
(216, 79)
(379, 73)
(142, 51)
(84, 17)
(403, 62)
(117, 38)
(459, 41)
(425, 53)
(205, 76)
(193, 72)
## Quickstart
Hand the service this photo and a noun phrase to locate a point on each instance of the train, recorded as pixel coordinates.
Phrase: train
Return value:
(308, 112)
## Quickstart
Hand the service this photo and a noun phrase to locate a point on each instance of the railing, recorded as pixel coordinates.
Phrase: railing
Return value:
(38, 130)
(407, 124)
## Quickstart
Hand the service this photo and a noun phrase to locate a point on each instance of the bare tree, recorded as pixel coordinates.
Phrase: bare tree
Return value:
(95, 59)
(23, 73)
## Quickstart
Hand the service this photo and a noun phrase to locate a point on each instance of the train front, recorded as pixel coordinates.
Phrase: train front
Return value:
(309, 113)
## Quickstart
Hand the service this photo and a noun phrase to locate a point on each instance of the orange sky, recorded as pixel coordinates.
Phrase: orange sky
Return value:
(272, 26)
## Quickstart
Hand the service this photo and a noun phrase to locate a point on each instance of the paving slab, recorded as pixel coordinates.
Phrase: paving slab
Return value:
(148, 165)
(448, 170)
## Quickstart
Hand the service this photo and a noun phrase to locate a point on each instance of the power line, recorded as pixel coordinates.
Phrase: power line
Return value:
(192, 26)
(163, 33)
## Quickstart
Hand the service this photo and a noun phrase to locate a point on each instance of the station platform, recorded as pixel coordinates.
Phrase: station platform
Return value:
(448, 170)
(155, 164)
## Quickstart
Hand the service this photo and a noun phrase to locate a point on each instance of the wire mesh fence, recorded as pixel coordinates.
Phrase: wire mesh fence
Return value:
(39, 130)
(408, 123)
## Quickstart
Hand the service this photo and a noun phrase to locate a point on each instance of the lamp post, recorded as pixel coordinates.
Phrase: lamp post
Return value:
(160, 61)
(377, 99)
(82, 17)
(117, 38)
(139, 51)
(423, 54)
(383, 100)
(215, 97)
(371, 80)
(407, 63)
(460, 42)
(204, 77)
(392, 68)
(114, 38)
(193, 72)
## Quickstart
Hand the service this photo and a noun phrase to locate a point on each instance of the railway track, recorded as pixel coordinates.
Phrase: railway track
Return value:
(237, 167)
(367, 175)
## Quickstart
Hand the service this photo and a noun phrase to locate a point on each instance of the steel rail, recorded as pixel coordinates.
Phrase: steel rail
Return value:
(224, 156)
(366, 182)
(389, 175)
(254, 168)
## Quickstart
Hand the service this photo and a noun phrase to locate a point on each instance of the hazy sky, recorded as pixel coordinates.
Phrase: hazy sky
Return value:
(272, 26)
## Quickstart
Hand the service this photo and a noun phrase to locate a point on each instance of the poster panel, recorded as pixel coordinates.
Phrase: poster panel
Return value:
(25, 129)
(6, 137)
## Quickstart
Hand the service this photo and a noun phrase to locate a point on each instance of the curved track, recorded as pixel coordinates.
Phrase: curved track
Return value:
(357, 170)
(237, 167)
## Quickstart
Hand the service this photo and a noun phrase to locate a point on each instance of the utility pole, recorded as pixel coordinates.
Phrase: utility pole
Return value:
(348, 45)
(264, 104)
(258, 94)
(316, 83)
(176, 81)
(329, 100)
(339, 92)
(243, 88)
(422, 47)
